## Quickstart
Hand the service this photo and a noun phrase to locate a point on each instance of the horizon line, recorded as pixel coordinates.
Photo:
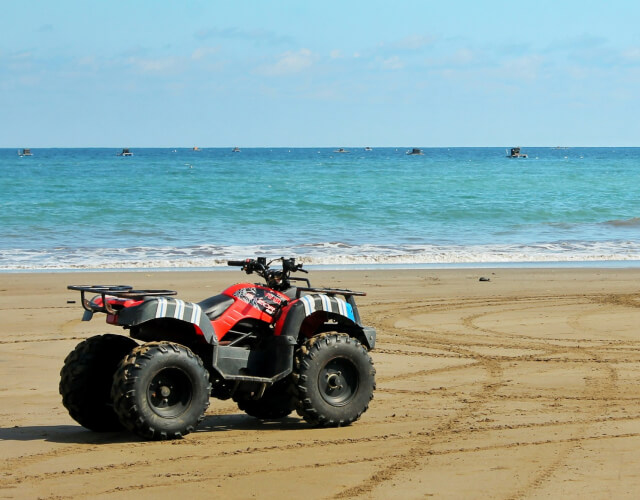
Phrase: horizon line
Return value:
(309, 147)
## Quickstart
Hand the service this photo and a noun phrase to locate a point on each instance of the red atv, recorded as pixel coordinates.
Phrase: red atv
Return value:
(271, 348)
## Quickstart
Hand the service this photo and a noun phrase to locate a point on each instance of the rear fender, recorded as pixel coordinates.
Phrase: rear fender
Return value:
(166, 307)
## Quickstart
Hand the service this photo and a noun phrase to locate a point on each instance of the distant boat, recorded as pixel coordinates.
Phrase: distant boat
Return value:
(561, 147)
(341, 150)
(125, 152)
(368, 149)
(24, 152)
(515, 153)
(196, 148)
(415, 151)
(235, 150)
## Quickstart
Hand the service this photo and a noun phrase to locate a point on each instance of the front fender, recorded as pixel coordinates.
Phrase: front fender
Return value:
(167, 307)
(294, 315)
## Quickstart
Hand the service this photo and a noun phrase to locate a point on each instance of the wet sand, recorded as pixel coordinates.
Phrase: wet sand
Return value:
(524, 386)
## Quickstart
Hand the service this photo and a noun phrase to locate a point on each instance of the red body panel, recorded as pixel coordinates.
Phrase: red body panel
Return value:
(309, 326)
(250, 301)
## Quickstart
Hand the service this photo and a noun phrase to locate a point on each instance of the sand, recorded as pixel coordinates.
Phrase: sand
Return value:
(524, 386)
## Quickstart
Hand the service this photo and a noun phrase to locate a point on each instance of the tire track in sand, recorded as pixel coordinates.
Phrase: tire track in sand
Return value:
(598, 395)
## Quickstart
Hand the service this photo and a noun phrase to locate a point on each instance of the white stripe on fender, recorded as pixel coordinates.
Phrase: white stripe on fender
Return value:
(186, 311)
(342, 306)
(195, 314)
(179, 312)
(326, 303)
(329, 304)
(309, 304)
(161, 307)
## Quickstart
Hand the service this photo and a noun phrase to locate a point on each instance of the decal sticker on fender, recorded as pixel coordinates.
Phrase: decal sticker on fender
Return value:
(260, 298)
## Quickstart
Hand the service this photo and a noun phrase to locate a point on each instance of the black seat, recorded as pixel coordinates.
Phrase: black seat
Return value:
(291, 292)
(215, 306)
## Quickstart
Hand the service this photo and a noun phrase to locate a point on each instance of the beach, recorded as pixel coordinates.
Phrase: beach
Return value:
(524, 385)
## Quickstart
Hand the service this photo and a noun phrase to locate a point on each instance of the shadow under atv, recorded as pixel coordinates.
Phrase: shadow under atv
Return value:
(70, 434)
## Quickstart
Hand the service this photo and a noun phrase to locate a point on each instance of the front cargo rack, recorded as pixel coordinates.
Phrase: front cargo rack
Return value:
(328, 291)
(120, 291)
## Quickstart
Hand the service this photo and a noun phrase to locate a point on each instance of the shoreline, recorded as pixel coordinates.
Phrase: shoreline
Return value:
(569, 264)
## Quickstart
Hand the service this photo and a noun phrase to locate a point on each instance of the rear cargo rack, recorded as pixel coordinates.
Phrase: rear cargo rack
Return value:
(121, 291)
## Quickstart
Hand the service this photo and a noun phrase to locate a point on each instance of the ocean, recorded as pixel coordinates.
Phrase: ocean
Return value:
(165, 208)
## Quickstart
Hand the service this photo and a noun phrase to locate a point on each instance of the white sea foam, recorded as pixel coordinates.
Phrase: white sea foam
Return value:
(323, 254)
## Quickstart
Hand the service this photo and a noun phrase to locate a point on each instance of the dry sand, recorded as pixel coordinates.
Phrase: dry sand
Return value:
(525, 386)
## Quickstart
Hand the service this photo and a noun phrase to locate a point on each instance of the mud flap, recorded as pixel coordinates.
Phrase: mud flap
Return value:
(369, 337)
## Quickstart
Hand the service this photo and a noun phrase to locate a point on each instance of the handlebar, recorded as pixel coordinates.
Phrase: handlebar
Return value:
(275, 278)
(237, 263)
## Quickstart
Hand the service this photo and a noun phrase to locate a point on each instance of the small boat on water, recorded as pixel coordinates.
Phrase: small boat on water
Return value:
(24, 152)
(196, 148)
(515, 153)
(415, 151)
(368, 149)
(235, 150)
(341, 150)
(125, 152)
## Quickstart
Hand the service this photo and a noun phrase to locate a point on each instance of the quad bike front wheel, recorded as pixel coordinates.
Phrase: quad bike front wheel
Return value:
(161, 391)
(334, 380)
(86, 378)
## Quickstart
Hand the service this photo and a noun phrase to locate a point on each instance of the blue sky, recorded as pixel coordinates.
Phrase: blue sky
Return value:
(332, 73)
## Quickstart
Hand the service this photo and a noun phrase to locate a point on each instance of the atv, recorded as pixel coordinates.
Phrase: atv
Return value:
(272, 349)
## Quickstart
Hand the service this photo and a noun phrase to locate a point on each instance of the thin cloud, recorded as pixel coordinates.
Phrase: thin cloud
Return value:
(204, 52)
(577, 43)
(413, 42)
(393, 63)
(154, 65)
(289, 63)
(524, 68)
(258, 36)
(631, 55)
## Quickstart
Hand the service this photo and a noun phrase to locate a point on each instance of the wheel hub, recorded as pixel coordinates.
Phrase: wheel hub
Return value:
(338, 381)
(334, 381)
(169, 393)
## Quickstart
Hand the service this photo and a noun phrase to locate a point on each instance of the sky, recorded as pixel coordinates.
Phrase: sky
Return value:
(297, 73)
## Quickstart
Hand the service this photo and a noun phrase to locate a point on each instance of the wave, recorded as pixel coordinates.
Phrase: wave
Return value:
(633, 222)
(323, 254)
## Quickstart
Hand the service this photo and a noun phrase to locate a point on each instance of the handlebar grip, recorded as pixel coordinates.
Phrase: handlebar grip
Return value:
(238, 263)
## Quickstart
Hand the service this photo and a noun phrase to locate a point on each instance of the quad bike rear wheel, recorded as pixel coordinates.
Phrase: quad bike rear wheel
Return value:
(334, 380)
(161, 391)
(86, 378)
(276, 403)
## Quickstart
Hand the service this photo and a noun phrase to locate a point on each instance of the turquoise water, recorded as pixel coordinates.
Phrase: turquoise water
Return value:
(88, 208)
